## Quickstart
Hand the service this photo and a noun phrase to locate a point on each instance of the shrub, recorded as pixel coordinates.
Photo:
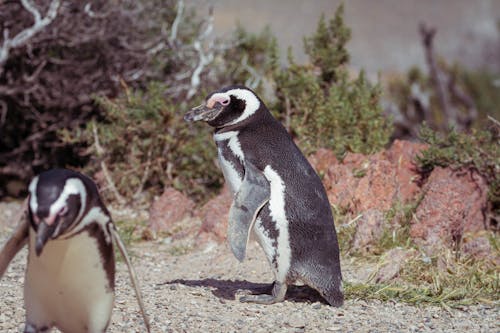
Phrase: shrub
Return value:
(49, 82)
(145, 144)
(250, 58)
(321, 105)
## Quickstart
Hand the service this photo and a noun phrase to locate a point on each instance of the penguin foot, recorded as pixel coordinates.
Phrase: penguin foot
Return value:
(278, 295)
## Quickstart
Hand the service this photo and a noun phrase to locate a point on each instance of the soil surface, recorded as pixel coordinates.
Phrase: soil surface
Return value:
(198, 291)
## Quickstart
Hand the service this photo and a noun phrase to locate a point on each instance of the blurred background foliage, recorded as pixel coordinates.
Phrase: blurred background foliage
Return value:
(127, 82)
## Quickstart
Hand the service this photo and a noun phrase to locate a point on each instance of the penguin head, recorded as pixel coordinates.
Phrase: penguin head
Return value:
(227, 106)
(57, 199)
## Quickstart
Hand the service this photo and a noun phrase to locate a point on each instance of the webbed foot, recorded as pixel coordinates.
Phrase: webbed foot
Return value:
(278, 295)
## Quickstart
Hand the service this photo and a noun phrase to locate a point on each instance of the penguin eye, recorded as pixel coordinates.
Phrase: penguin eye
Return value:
(225, 102)
(63, 211)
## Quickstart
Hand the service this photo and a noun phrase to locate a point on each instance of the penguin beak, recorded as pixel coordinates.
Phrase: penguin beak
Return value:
(43, 234)
(203, 112)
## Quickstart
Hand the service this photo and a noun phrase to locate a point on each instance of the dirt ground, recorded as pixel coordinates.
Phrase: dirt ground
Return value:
(198, 291)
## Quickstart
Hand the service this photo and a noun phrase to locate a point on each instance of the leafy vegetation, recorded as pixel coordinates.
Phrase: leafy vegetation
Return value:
(251, 58)
(321, 105)
(144, 143)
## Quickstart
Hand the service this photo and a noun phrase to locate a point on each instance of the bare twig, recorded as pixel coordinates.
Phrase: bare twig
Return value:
(145, 175)
(428, 34)
(255, 78)
(177, 21)
(88, 10)
(466, 100)
(204, 59)
(104, 167)
(496, 122)
(354, 220)
(22, 37)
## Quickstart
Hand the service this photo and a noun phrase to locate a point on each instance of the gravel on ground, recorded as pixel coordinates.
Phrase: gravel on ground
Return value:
(198, 291)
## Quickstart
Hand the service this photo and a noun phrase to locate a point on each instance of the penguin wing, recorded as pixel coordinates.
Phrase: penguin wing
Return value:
(253, 194)
(16, 241)
(133, 275)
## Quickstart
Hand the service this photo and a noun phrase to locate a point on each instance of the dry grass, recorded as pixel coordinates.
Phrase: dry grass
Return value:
(441, 280)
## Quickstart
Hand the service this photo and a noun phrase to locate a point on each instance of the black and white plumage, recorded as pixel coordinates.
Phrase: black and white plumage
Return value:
(277, 195)
(70, 275)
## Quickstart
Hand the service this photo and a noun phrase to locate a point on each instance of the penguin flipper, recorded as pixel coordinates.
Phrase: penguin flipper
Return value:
(16, 241)
(133, 275)
(253, 194)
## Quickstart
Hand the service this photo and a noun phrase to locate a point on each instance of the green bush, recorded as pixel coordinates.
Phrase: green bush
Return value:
(250, 58)
(321, 105)
(147, 145)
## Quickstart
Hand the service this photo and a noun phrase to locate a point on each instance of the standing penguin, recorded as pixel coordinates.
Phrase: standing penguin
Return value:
(70, 276)
(277, 195)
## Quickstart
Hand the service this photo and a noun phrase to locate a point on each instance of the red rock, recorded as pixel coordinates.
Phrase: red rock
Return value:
(402, 155)
(370, 182)
(214, 215)
(322, 160)
(369, 229)
(169, 209)
(354, 159)
(377, 188)
(454, 204)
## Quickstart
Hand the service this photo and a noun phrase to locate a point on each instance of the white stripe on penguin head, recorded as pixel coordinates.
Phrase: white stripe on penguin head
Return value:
(33, 198)
(252, 103)
(72, 186)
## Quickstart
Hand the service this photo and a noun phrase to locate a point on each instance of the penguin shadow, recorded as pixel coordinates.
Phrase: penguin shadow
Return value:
(229, 289)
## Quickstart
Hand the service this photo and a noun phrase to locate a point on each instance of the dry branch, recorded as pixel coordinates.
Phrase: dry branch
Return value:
(22, 37)
(204, 57)
(100, 152)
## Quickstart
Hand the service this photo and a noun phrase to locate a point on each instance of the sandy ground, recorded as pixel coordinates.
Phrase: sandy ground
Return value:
(198, 292)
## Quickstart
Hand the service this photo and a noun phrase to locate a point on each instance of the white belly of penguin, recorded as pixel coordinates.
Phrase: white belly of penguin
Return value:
(68, 286)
